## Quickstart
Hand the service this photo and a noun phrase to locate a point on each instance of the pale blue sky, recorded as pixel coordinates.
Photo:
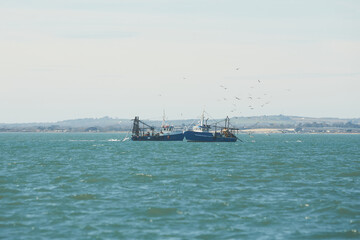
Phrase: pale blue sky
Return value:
(74, 59)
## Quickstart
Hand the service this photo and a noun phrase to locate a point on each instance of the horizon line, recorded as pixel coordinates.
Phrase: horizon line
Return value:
(150, 119)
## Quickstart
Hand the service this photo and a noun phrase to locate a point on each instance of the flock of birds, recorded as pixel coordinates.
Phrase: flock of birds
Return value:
(255, 98)
(252, 101)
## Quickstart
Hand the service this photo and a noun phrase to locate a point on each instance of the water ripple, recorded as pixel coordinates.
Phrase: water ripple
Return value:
(92, 186)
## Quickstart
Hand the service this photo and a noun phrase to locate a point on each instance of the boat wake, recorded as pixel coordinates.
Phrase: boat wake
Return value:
(114, 140)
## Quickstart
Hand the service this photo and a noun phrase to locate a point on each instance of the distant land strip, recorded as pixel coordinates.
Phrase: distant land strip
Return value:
(254, 124)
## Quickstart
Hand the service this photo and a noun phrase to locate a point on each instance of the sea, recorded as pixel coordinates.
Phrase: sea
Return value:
(96, 186)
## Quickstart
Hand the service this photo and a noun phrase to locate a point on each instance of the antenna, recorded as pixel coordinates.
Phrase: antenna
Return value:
(163, 122)
(202, 117)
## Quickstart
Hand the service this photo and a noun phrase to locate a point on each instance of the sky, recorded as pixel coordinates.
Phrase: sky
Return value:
(123, 58)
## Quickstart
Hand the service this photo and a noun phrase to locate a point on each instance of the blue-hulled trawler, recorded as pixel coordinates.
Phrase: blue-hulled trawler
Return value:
(202, 132)
(141, 131)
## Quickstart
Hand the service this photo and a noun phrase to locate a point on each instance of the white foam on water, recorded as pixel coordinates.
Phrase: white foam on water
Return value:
(145, 175)
(82, 140)
(113, 140)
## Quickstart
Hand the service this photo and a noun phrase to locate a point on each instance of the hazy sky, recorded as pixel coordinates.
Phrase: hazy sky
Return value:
(120, 58)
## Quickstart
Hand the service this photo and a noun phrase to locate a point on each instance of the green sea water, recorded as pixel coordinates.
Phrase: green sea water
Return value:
(94, 186)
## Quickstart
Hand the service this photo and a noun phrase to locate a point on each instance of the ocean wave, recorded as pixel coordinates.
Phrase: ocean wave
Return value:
(144, 175)
(81, 140)
(85, 196)
(349, 174)
(157, 212)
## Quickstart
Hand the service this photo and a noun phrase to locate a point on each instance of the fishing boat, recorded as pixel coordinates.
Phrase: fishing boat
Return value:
(142, 131)
(202, 132)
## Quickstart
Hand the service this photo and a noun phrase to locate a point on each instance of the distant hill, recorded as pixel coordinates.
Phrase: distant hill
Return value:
(288, 120)
(108, 124)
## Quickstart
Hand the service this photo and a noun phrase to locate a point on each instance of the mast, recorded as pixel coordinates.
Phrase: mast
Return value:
(163, 122)
(202, 118)
(136, 127)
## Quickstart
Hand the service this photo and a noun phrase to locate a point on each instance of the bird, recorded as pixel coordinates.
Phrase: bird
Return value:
(237, 68)
(259, 81)
(237, 98)
(250, 97)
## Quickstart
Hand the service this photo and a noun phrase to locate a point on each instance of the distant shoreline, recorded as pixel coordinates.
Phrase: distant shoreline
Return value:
(266, 124)
(246, 131)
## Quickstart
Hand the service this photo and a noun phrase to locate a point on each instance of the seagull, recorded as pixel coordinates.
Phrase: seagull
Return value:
(237, 98)
(258, 80)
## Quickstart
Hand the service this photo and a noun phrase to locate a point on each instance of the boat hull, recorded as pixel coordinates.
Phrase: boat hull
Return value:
(167, 137)
(192, 136)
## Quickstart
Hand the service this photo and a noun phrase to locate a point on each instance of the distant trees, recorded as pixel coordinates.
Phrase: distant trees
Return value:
(316, 124)
(108, 124)
(346, 125)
